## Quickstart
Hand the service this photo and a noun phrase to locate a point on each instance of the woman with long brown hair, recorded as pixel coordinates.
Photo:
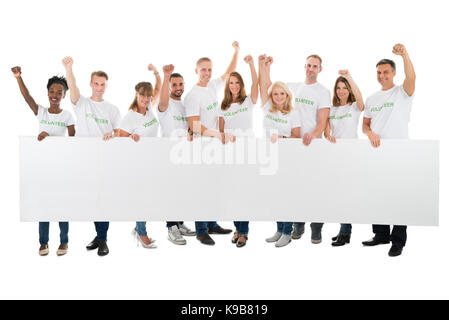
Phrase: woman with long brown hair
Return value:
(141, 122)
(236, 119)
(347, 106)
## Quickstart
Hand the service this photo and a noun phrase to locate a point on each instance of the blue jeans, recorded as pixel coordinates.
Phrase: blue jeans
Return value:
(242, 227)
(285, 227)
(172, 223)
(102, 230)
(345, 229)
(141, 228)
(44, 228)
(202, 227)
(316, 227)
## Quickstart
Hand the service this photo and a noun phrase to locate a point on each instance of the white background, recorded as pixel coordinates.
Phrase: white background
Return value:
(122, 38)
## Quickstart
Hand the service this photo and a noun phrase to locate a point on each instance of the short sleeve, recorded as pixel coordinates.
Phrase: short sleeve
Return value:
(115, 118)
(40, 112)
(293, 86)
(70, 120)
(266, 108)
(248, 102)
(405, 94)
(192, 104)
(217, 84)
(367, 113)
(325, 101)
(295, 119)
(127, 123)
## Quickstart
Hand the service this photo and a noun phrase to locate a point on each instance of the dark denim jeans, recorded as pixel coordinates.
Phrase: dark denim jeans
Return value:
(102, 230)
(202, 227)
(345, 229)
(174, 223)
(285, 227)
(44, 228)
(316, 226)
(242, 227)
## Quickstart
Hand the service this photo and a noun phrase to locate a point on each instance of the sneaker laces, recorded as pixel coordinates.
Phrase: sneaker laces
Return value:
(176, 233)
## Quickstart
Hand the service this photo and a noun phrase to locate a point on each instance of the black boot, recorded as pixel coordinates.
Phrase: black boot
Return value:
(341, 240)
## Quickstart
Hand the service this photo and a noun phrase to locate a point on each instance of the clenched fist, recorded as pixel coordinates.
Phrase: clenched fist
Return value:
(17, 71)
(67, 62)
(399, 49)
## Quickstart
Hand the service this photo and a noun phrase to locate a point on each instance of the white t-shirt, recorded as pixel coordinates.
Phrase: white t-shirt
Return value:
(203, 102)
(143, 125)
(389, 111)
(283, 123)
(308, 99)
(173, 120)
(238, 118)
(344, 121)
(94, 119)
(55, 124)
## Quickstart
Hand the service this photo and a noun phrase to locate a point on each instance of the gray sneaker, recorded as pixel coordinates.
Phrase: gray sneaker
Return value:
(174, 235)
(284, 240)
(185, 231)
(274, 238)
(316, 237)
(298, 231)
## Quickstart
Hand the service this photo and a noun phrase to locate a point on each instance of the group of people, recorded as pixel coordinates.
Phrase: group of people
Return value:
(300, 110)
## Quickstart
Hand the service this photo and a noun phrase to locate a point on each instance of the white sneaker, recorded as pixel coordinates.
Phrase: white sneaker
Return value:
(185, 231)
(274, 238)
(174, 235)
(284, 240)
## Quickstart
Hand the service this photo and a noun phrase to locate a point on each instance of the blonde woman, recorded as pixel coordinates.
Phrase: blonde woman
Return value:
(141, 122)
(236, 119)
(280, 121)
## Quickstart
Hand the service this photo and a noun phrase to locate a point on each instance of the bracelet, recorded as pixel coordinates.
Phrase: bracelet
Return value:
(156, 73)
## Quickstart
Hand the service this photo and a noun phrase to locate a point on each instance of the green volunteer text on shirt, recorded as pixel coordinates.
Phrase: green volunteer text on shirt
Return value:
(210, 107)
(269, 116)
(231, 114)
(348, 115)
(146, 125)
(178, 118)
(305, 101)
(385, 105)
(98, 120)
(54, 123)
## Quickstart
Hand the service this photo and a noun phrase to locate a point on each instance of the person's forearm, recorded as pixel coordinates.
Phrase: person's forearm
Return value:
(366, 129)
(409, 70)
(165, 95)
(71, 82)
(232, 65)
(157, 87)
(26, 95)
(255, 83)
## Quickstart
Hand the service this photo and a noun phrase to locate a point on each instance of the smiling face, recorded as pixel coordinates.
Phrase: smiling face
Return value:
(312, 68)
(279, 96)
(204, 72)
(234, 86)
(98, 85)
(385, 75)
(143, 99)
(342, 92)
(56, 93)
(176, 87)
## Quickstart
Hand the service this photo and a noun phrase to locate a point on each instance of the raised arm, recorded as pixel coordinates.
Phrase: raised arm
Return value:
(74, 91)
(355, 89)
(165, 92)
(233, 63)
(157, 87)
(410, 76)
(264, 78)
(255, 80)
(17, 71)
